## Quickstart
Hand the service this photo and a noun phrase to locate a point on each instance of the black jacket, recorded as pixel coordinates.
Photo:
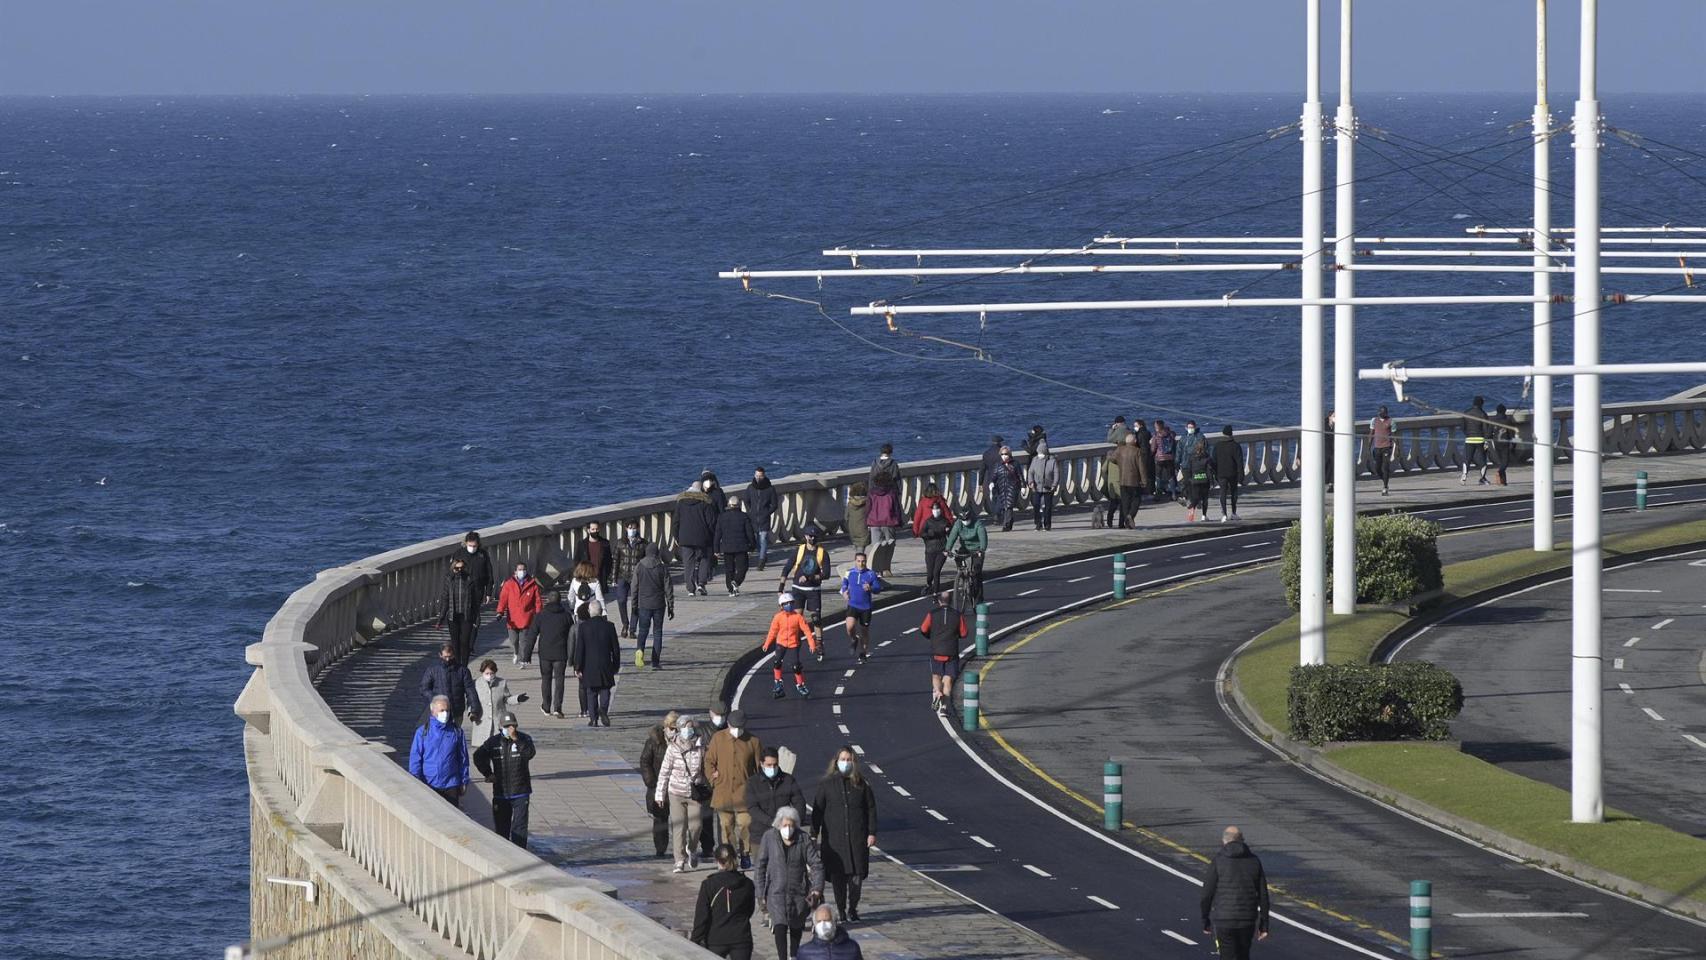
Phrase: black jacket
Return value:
(695, 519)
(844, 813)
(735, 533)
(1474, 422)
(653, 588)
(1234, 889)
(505, 761)
(597, 654)
(723, 917)
(760, 497)
(479, 569)
(991, 460)
(935, 533)
(1228, 459)
(628, 556)
(460, 598)
(451, 680)
(651, 761)
(766, 795)
(553, 623)
(605, 564)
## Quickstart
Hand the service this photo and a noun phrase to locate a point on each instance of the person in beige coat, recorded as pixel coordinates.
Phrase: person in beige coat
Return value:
(732, 759)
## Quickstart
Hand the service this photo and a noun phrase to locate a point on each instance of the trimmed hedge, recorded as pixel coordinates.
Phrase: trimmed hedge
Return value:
(1411, 700)
(1397, 558)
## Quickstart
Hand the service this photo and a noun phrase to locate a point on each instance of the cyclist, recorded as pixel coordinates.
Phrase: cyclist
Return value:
(803, 576)
(967, 543)
(945, 627)
(787, 629)
(859, 585)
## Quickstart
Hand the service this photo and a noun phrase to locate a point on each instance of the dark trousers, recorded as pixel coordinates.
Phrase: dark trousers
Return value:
(649, 622)
(933, 561)
(660, 825)
(580, 684)
(1042, 502)
(695, 567)
(1383, 465)
(1112, 507)
(733, 951)
(1128, 505)
(1234, 942)
(1228, 490)
(1196, 495)
(618, 595)
(551, 677)
(598, 699)
(453, 794)
(787, 939)
(462, 637)
(1166, 480)
(734, 568)
(509, 819)
(847, 890)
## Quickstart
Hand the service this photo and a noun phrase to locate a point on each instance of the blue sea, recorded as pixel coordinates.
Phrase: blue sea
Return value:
(246, 339)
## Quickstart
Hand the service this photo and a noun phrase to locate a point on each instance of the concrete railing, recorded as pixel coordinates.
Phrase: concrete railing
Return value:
(328, 803)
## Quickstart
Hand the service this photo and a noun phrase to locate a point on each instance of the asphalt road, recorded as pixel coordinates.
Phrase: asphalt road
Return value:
(1512, 654)
(1026, 854)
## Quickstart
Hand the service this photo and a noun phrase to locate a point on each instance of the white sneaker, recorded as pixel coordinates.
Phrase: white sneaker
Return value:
(1223, 518)
(680, 869)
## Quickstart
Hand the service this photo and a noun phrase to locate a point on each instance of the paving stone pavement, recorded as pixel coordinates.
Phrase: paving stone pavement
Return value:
(588, 812)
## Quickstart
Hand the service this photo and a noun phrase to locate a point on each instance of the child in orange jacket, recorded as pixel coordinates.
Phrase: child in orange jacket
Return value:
(787, 629)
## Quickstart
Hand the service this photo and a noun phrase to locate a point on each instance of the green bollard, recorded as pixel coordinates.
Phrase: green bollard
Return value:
(968, 698)
(1119, 576)
(983, 629)
(1421, 919)
(1113, 796)
(1640, 490)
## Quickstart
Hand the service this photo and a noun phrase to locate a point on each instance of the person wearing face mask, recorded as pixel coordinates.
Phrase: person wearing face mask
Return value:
(934, 534)
(968, 543)
(1043, 474)
(928, 501)
(760, 500)
(710, 830)
(479, 565)
(651, 764)
(884, 483)
(595, 551)
(789, 879)
(492, 693)
(736, 537)
(518, 603)
(652, 601)
(459, 608)
(787, 631)
(803, 576)
(503, 760)
(1164, 449)
(1006, 488)
(628, 554)
(722, 919)
(438, 757)
(447, 677)
(829, 939)
(1192, 462)
(730, 761)
(986, 469)
(768, 791)
(713, 490)
(681, 785)
(844, 823)
(597, 659)
(695, 529)
(554, 624)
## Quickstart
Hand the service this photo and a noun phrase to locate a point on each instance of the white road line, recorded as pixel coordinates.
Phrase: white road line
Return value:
(935, 814)
(1254, 546)
(838, 690)
(1649, 711)
(1691, 738)
(1444, 519)
(985, 843)
(1078, 580)
(1518, 916)
(1039, 871)
(1030, 591)
(1138, 566)
(843, 728)
(1625, 688)
(1517, 510)
(1095, 899)
(1617, 664)
(1629, 590)
(900, 790)
(1631, 641)
(885, 643)
(835, 708)
(858, 750)
(908, 633)
(874, 769)
(1192, 556)
(1187, 941)
(849, 674)
(1664, 623)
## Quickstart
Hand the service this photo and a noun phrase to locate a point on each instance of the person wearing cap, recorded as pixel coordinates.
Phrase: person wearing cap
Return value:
(1043, 474)
(787, 630)
(860, 586)
(803, 576)
(769, 790)
(730, 761)
(503, 760)
(438, 757)
(596, 658)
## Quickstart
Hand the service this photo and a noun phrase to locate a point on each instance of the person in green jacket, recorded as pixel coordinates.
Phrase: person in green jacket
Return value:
(968, 542)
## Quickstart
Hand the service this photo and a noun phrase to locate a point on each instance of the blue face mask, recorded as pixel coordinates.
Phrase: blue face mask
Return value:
(769, 772)
(845, 766)
(787, 608)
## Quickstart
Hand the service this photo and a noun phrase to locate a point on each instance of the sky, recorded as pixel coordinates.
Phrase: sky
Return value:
(177, 47)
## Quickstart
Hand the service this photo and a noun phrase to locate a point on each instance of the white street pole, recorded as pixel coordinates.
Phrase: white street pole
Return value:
(1344, 336)
(1312, 588)
(1545, 454)
(1587, 797)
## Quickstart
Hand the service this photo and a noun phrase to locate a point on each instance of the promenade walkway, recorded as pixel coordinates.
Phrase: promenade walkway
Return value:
(588, 810)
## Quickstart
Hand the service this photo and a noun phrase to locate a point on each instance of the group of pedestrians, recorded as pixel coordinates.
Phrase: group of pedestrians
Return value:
(1163, 465)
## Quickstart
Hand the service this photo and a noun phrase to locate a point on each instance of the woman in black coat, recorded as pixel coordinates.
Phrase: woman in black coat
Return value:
(651, 762)
(722, 920)
(844, 824)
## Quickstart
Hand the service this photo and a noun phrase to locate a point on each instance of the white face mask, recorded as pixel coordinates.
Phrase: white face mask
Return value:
(884, 457)
(472, 548)
(489, 676)
(787, 832)
(716, 720)
(845, 766)
(443, 716)
(935, 511)
(734, 732)
(521, 574)
(824, 929)
(769, 772)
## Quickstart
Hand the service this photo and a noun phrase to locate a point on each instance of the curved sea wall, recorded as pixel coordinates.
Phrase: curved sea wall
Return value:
(396, 872)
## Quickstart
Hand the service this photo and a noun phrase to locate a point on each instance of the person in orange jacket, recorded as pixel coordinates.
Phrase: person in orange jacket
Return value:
(787, 629)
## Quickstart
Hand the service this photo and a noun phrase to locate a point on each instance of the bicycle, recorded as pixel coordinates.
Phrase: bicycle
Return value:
(968, 581)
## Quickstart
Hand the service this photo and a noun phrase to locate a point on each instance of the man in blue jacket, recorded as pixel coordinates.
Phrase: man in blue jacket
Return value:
(439, 755)
(859, 585)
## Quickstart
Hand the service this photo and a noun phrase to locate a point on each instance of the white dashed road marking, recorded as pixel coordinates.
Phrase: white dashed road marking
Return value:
(835, 708)
(1181, 938)
(1078, 580)
(1039, 871)
(843, 728)
(985, 843)
(935, 814)
(900, 790)
(1691, 738)
(1625, 688)
(1444, 519)
(875, 769)
(1664, 623)
(1030, 591)
(849, 674)
(908, 633)
(1519, 916)
(1628, 590)
(885, 643)
(858, 750)
(1631, 641)
(1649, 711)
(1110, 906)
(838, 690)
(1253, 546)
(1617, 664)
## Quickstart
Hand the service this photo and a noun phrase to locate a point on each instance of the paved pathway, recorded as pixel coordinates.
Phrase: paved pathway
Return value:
(588, 809)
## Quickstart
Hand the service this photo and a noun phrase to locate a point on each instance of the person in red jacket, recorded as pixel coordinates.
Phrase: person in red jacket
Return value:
(787, 629)
(518, 603)
(931, 498)
(945, 628)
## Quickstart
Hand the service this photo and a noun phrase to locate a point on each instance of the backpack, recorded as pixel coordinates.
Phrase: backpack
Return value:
(1199, 463)
(1167, 444)
(808, 565)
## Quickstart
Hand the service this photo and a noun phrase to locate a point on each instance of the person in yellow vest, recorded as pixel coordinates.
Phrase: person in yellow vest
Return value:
(1475, 440)
(803, 577)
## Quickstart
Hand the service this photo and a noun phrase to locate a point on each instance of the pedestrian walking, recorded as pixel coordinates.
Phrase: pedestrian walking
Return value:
(737, 537)
(447, 677)
(1007, 489)
(459, 608)
(768, 791)
(1228, 471)
(760, 499)
(710, 830)
(1194, 471)
(722, 917)
(1475, 440)
(1163, 450)
(844, 824)
(597, 660)
(438, 757)
(787, 631)
(857, 513)
(681, 785)
(695, 532)
(584, 590)
(493, 694)
(1111, 483)
(730, 761)
(1132, 479)
(859, 587)
(629, 552)
(1140, 430)
(597, 552)
(651, 764)
(653, 602)
(945, 629)
(1503, 442)
(713, 493)
(933, 532)
(503, 759)
(803, 577)
(479, 566)
(829, 939)
(789, 879)
(1380, 431)
(986, 470)
(928, 501)
(1117, 430)
(1235, 897)
(884, 512)
(518, 604)
(554, 624)
(1043, 476)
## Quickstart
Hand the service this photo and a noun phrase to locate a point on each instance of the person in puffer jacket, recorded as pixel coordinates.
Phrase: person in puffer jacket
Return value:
(1043, 475)
(829, 939)
(681, 784)
(438, 757)
(1235, 896)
